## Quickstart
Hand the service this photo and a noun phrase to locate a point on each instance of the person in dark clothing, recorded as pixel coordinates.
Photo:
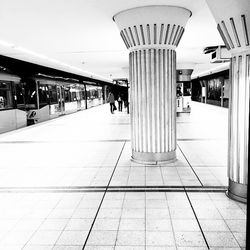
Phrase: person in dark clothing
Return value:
(111, 100)
(119, 103)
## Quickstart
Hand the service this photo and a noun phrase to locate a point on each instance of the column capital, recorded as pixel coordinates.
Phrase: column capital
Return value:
(156, 26)
(233, 23)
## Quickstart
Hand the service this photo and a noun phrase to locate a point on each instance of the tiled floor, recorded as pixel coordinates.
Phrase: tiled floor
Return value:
(69, 184)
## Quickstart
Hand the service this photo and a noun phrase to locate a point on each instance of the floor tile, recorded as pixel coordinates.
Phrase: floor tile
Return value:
(237, 225)
(84, 213)
(189, 239)
(130, 238)
(160, 248)
(213, 225)
(59, 213)
(44, 238)
(99, 248)
(158, 225)
(221, 239)
(185, 225)
(156, 203)
(208, 213)
(181, 213)
(72, 238)
(54, 224)
(129, 248)
(16, 238)
(105, 238)
(132, 224)
(160, 239)
(28, 225)
(157, 214)
(113, 213)
(58, 247)
(38, 247)
(106, 224)
(133, 213)
(79, 224)
(232, 213)
(241, 238)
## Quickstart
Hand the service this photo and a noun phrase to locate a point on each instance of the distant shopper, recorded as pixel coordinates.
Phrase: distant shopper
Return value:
(111, 100)
(119, 103)
(178, 92)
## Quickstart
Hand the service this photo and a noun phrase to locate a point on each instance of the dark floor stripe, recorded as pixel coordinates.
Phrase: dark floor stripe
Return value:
(201, 139)
(83, 141)
(85, 243)
(190, 165)
(113, 189)
(112, 140)
(197, 220)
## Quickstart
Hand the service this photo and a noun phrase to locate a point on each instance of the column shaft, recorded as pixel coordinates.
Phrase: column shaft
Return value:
(238, 126)
(233, 26)
(153, 115)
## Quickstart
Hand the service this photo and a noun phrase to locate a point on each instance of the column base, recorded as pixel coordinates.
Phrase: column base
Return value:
(153, 158)
(237, 191)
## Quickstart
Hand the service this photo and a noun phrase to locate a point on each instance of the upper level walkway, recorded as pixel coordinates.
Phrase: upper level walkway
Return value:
(69, 183)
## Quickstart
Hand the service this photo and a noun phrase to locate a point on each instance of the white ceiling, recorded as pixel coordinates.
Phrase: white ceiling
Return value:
(82, 33)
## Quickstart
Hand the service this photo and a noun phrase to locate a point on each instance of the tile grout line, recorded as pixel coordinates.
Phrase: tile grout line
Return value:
(170, 217)
(35, 231)
(225, 220)
(116, 238)
(124, 197)
(171, 221)
(197, 219)
(190, 165)
(68, 220)
(105, 191)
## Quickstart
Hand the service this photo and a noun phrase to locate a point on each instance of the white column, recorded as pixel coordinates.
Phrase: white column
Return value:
(151, 34)
(234, 27)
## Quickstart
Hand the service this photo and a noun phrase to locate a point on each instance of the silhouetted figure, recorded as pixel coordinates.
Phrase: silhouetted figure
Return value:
(119, 103)
(111, 100)
(178, 92)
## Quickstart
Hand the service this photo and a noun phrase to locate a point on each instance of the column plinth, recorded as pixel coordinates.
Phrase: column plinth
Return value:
(151, 34)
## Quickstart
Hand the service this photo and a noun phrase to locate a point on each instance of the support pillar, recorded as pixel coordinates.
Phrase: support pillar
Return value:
(234, 27)
(151, 34)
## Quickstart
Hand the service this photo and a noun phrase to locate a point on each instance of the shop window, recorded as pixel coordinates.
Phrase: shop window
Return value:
(6, 98)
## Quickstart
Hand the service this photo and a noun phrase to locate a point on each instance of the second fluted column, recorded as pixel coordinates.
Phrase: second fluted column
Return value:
(151, 34)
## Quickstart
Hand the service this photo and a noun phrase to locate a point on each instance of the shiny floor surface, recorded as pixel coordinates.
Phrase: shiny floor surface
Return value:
(69, 183)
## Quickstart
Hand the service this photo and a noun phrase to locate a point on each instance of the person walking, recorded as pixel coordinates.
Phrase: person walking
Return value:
(119, 103)
(111, 100)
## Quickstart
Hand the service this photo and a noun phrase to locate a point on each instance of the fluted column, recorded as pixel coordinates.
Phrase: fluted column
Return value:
(234, 27)
(151, 34)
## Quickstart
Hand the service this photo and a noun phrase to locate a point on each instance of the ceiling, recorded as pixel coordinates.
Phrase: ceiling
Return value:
(82, 33)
